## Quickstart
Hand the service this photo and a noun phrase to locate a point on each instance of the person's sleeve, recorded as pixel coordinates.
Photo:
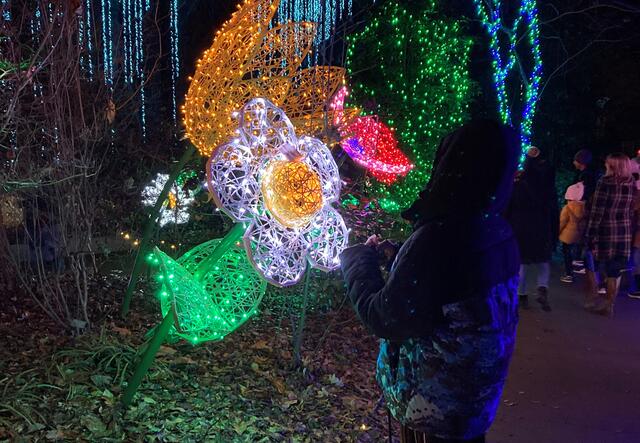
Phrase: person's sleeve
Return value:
(596, 211)
(395, 310)
(564, 219)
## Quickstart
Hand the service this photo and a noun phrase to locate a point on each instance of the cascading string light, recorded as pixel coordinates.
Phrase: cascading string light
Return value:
(175, 58)
(492, 20)
(6, 10)
(89, 37)
(326, 13)
(420, 85)
(107, 43)
(139, 46)
(128, 41)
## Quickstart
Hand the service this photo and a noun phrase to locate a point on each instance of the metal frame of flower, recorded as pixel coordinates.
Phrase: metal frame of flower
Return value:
(239, 172)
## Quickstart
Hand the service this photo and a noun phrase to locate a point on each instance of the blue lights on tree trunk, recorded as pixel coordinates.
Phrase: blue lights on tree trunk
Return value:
(504, 64)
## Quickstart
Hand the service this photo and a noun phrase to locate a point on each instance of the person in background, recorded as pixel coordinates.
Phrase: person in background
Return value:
(572, 227)
(635, 292)
(588, 174)
(610, 228)
(533, 214)
(448, 335)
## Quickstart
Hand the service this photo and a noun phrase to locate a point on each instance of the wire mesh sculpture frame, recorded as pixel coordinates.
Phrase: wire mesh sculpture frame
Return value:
(209, 303)
(236, 173)
(176, 208)
(248, 60)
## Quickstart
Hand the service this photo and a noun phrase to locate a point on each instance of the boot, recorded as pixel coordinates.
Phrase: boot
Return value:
(606, 308)
(524, 301)
(636, 290)
(591, 298)
(543, 298)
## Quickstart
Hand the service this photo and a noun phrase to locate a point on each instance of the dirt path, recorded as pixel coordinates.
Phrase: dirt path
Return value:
(575, 376)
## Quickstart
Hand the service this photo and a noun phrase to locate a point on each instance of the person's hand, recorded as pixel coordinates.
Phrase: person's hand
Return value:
(388, 248)
(372, 241)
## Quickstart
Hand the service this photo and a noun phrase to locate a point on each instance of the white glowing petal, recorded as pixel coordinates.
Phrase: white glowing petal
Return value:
(231, 181)
(277, 253)
(319, 157)
(184, 199)
(266, 127)
(327, 236)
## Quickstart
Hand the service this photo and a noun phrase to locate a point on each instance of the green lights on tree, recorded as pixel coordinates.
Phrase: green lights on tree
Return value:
(411, 68)
(508, 64)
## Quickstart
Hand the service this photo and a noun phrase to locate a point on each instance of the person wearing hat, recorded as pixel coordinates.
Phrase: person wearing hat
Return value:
(533, 213)
(587, 173)
(447, 333)
(572, 227)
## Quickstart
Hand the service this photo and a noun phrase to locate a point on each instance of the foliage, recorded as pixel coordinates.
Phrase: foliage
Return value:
(409, 66)
(239, 389)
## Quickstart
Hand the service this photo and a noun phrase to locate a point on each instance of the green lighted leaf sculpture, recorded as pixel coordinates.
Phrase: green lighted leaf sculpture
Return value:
(210, 300)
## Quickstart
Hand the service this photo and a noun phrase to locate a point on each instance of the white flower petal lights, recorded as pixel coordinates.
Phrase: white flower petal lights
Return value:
(284, 186)
(175, 208)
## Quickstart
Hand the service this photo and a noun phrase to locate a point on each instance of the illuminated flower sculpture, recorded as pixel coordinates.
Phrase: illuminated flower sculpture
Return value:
(249, 58)
(369, 142)
(175, 208)
(284, 187)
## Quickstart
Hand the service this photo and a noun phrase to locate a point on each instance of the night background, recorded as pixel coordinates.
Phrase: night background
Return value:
(100, 261)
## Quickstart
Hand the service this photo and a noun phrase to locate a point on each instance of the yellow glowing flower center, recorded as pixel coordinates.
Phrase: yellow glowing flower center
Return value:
(173, 201)
(292, 192)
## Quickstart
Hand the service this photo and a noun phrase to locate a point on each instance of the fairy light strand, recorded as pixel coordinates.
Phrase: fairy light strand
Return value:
(420, 86)
(490, 14)
(175, 58)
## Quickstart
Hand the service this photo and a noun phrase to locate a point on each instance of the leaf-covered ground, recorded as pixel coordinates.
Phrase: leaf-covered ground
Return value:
(58, 388)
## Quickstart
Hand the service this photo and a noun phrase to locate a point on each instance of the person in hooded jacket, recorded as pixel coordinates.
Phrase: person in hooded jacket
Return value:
(572, 226)
(447, 313)
(533, 213)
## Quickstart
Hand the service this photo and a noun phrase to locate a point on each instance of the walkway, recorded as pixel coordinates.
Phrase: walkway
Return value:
(575, 377)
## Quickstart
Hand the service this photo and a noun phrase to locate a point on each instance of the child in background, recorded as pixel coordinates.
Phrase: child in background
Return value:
(572, 226)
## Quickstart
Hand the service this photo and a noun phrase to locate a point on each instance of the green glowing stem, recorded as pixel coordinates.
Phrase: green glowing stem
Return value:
(232, 236)
(170, 319)
(158, 338)
(148, 229)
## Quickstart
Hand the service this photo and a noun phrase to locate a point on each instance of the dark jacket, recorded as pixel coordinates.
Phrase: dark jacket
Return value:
(448, 311)
(533, 211)
(589, 177)
(610, 227)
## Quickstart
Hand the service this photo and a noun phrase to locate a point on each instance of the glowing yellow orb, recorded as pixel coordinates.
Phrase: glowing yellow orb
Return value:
(292, 192)
(173, 200)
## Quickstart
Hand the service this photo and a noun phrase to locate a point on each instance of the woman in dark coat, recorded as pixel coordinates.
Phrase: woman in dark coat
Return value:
(448, 311)
(533, 213)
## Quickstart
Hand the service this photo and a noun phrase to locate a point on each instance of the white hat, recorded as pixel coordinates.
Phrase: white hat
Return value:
(575, 192)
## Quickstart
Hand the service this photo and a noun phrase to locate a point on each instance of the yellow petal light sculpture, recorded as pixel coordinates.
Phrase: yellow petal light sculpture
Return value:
(249, 60)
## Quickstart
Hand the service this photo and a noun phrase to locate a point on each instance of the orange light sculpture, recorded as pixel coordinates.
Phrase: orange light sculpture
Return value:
(249, 60)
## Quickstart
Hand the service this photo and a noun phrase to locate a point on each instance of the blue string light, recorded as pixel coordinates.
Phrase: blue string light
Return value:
(326, 13)
(89, 38)
(139, 9)
(489, 12)
(107, 43)
(6, 10)
(175, 57)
